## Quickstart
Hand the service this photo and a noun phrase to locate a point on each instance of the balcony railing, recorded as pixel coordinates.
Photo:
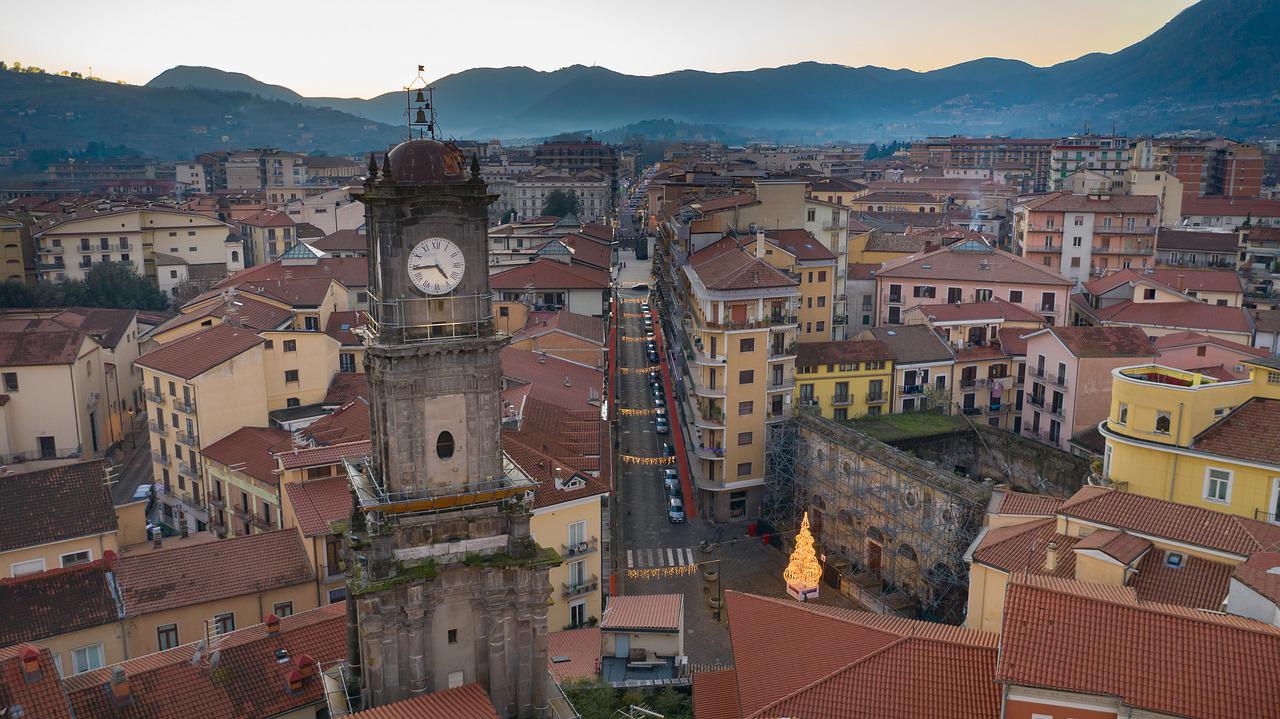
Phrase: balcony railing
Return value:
(160, 458)
(153, 397)
(190, 439)
(218, 502)
(841, 401)
(877, 398)
(188, 470)
(36, 455)
(1046, 248)
(1056, 410)
(1058, 379)
(330, 572)
(575, 589)
(971, 411)
(1035, 401)
(187, 406)
(912, 389)
(157, 427)
(586, 546)
(50, 250)
(709, 452)
(1048, 307)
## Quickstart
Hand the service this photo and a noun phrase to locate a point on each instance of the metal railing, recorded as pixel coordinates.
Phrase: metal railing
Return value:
(877, 397)
(586, 586)
(184, 406)
(189, 439)
(160, 458)
(157, 427)
(587, 546)
(188, 470)
(451, 317)
(841, 401)
(153, 397)
(37, 455)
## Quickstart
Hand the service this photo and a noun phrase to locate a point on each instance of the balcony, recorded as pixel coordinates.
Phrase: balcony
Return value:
(1057, 379)
(912, 389)
(39, 456)
(1056, 411)
(711, 453)
(242, 514)
(158, 458)
(706, 417)
(973, 383)
(188, 470)
(895, 299)
(971, 411)
(587, 546)
(55, 250)
(50, 266)
(835, 225)
(784, 383)
(186, 406)
(1037, 402)
(782, 352)
(570, 590)
(157, 428)
(153, 397)
(1043, 228)
(877, 398)
(1050, 307)
(218, 502)
(781, 322)
(1046, 248)
(1037, 372)
(701, 389)
(841, 401)
(190, 439)
(331, 572)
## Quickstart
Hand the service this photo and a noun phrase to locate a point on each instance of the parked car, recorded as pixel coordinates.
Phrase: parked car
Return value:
(661, 426)
(675, 510)
(142, 492)
(671, 483)
(668, 450)
(659, 402)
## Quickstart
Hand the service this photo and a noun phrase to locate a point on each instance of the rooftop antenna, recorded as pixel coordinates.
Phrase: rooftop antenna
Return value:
(420, 108)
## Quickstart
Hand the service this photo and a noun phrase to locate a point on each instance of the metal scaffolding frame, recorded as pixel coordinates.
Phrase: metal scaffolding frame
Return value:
(862, 492)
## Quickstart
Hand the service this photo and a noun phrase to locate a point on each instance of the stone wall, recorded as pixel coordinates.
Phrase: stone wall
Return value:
(1023, 464)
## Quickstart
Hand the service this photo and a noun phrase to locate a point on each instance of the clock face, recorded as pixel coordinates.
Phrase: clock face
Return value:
(436, 266)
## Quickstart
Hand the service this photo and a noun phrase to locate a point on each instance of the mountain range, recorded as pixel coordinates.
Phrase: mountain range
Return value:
(1213, 67)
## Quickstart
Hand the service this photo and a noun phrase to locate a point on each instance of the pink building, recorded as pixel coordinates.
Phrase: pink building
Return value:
(966, 272)
(1216, 357)
(1068, 384)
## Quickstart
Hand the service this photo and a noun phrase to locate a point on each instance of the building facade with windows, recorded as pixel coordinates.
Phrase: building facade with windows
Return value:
(1195, 439)
(1079, 236)
(1108, 155)
(845, 379)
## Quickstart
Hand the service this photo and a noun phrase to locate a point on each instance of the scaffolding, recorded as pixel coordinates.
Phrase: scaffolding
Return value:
(891, 524)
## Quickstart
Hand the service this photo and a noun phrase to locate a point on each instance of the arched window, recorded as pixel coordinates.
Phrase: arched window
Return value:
(444, 445)
(1162, 422)
(235, 256)
(873, 533)
(907, 552)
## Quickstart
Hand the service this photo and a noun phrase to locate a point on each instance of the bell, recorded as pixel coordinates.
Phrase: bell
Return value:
(420, 97)
(420, 118)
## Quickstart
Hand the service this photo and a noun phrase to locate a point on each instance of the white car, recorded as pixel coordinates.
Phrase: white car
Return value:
(142, 492)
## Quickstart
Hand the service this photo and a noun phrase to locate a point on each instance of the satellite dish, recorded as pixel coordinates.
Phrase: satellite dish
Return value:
(213, 659)
(197, 654)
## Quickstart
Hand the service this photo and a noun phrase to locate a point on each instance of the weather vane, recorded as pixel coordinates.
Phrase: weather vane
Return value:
(420, 108)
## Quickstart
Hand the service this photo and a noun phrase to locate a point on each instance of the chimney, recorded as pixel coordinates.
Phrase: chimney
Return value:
(118, 688)
(1051, 557)
(1182, 281)
(306, 665)
(108, 559)
(759, 244)
(568, 382)
(273, 625)
(30, 657)
(293, 683)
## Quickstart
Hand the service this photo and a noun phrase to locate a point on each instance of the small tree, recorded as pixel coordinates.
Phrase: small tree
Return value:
(115, 284)
(560, 203)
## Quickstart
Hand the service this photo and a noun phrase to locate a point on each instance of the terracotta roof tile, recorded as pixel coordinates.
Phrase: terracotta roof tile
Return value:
(1152, 657)
(1068, 202)
(894, 242)
(1173, 278)
(960, 262)
(20, 346)
(1237, 434)
(1230, 207)
(841, 352)
(39, 606)
(1025, 547)
(644, 612)
(1198, 583)
(1011, 341)
(1119, 545)
(347, 240)
(346, 386)
(1025, 503)
(715, 695)
(248, 684)
(42, 698)
(1258, 573)
(548, 374)
(1104, 341)
(346, 424)
(197, 353)
(1194, 339)
(912, 343)
(252, 313)
(324, 455)
(318, 503)
(584, 326)
(341, 324)
(249, 449)
(78, 491)
(350, 272)
(728, 202)
(1181, 315)
(469, 701)
(996, 309)
(1168, 238)
(104, 324)
(862, 270)
(545, 274)
(581, 647)
(800, 243)
(195, 574)
(736, 270)
(1170, 520)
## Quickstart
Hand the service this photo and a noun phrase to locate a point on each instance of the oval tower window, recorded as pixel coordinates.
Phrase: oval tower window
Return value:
(444, 445)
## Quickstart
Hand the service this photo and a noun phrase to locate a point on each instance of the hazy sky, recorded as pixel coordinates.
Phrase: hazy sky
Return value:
(362, 48)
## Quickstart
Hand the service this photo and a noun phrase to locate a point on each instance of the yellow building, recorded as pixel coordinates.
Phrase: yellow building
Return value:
(211, 383)
(1192, 439)
(895, 201)
(16, 261)
(319, 508)
(68, 245)
(567, 513)
(813, 266)
(846, 379)
(1151, 549)
(740, 363)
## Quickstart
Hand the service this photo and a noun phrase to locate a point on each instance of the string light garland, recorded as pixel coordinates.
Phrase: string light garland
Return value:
(632, 459)
(635, 299)
(636, 370)
(660, 572)
(635, 314)
(635, 339)
(625, 411)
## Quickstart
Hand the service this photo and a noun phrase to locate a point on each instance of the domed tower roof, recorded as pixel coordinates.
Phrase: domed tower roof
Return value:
(427, 162)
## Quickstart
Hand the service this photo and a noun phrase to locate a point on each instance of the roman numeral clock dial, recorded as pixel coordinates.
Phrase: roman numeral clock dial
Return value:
(436, 266)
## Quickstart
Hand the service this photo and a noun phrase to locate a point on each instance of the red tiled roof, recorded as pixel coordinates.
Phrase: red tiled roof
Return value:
(1237, 435)
(1025, 503)
(346, 386)
(248, 683)
(737, 270)
(348, 423)
(912, 343)
(249, 449)
(1190, 280)
(251, 312)
(584, 326)
(842, 352)
(341, 324)
(39, 606)
(862, 270)
(469, 701)
(1120, 546)
(349, 240)
(41, 698)
(1152, 657)
(582, 649)
(1192, 339)
(1068, 202)
(1230, 207)
(1169, 238)
(545, 274)
(996, 309)
(542, 467)
(715, 695)
(644, 612)
(200, 352)
(727, 202)
(1182, 315)
(1197, 583)
(1257, 574)
(318, 503)
(297, 292)
(1169, 520)
(1011, 340)
(547, 375)
(800, 243)
(588, 251)
(20, 346)
(78, 491)
(350, 272)
(1025, 547)
(195, 574)
(298, 457)
(826, 648)
(956, 263)
(268, 218)
(1103, 341)
(106, 325)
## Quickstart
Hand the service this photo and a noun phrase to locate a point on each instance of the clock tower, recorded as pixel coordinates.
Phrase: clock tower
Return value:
(445, 584)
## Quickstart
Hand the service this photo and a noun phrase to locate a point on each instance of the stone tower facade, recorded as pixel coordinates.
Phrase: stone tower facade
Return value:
(445, 584)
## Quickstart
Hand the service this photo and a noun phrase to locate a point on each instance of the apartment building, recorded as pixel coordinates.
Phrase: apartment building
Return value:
(331, 210)
(1198, 248)
(996, 153)
(313, 507)
(898, 201)
(799, 254)
(591, 186)
(922, 365)
(1167, 301)
(205, 386)
(241, 481)
(1206, 167)
(1164, 186)
(1231, 213)
(740, 328)
(845, 379)
(266, 236)
(1081, 235)
(969, 271)
(552, 285)
(69, 244)
(1196, 439)
(265, 169)
(576, 156)
(1069, 377)
(17, 251)
(1107, 155)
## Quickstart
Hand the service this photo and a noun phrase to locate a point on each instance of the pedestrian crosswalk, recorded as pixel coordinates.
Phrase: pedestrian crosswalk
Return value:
(660, 557)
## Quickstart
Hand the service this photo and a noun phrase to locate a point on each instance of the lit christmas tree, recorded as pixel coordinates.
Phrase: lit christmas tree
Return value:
(803, 572)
